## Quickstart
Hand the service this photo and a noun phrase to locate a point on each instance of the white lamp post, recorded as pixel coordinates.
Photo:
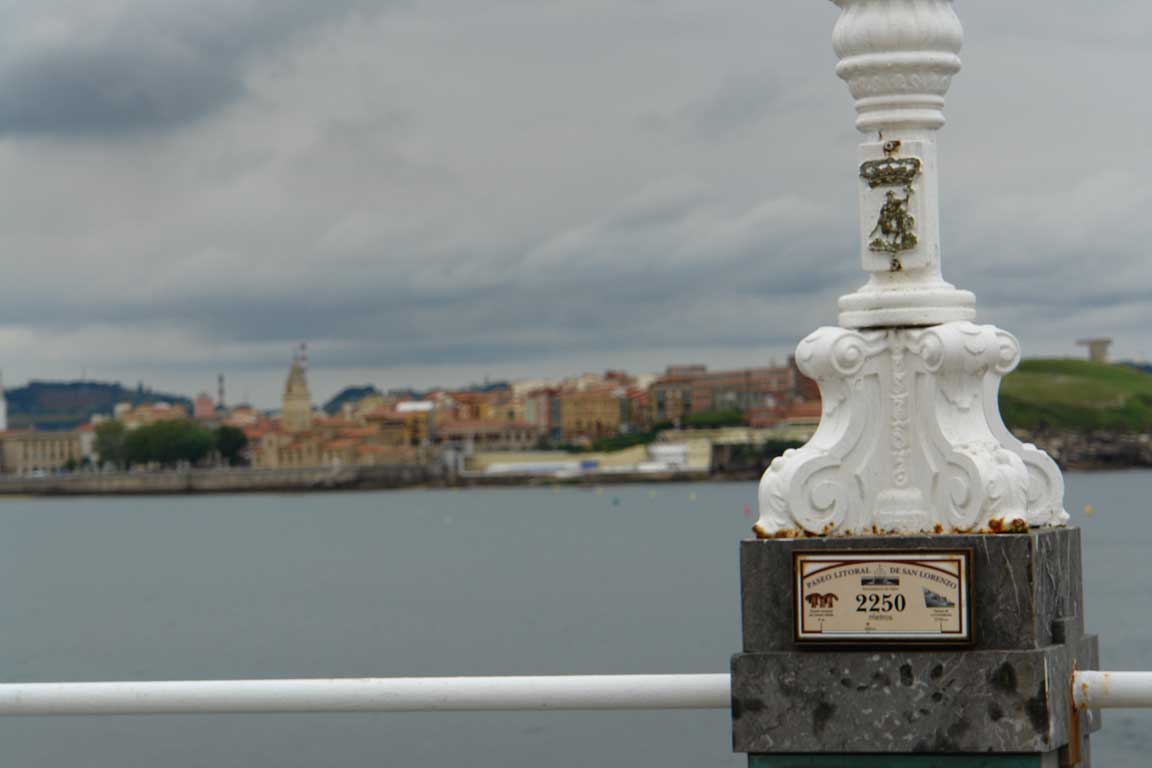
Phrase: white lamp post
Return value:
(910, 439)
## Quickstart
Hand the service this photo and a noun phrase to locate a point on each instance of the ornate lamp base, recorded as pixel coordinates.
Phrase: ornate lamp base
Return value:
(910, 440)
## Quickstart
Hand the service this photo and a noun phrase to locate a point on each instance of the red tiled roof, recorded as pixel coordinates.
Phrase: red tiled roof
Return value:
(359, 432)
(481, 426)
(335, 445)
(385, 414)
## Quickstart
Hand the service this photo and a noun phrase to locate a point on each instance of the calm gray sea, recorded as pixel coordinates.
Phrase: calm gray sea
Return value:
(517, 581)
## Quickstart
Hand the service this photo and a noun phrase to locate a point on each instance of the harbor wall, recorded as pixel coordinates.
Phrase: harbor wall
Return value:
(240, 480)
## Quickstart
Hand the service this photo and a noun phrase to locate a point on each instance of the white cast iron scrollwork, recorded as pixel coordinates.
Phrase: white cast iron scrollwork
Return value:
(1045, 481)
(906, 443)
(911, 438)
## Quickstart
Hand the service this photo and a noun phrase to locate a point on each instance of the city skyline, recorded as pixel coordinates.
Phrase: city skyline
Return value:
(436, 194)
(327, 384)
(238, 395)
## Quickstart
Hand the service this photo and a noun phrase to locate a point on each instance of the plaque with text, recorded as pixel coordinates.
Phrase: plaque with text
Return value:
(883, 597)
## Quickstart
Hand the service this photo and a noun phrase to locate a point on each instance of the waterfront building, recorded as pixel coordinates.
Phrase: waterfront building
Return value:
(670, 399)
(419, 421)
(492, 403)
(588, 407)
(281, 450)
(504, 405)
(465, 405)
(204, 407)
(685, 390)
(594, 412)
(639, 410)
(357, 409)
(300, 439)
(146, 414)
(388, 434)
(243, 416)
(492, 435)
(343, 445)
(392, 428)
(542, 411)
(27, 452)
(803, 416)
(87, 436)
(335, 442)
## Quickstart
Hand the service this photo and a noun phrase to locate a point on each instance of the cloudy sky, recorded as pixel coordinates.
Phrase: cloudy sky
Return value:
(435, 191)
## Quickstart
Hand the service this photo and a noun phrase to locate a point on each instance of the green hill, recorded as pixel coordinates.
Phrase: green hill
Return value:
(1077, 395)
(55, 405)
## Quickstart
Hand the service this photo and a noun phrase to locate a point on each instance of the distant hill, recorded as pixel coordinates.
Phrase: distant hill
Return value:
(1077, 395)
(348, 395)
(57, 405)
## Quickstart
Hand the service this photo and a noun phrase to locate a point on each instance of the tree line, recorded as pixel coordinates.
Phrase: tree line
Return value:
(169, 444)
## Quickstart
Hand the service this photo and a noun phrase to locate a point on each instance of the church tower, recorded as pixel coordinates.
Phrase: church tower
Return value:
(296, 412)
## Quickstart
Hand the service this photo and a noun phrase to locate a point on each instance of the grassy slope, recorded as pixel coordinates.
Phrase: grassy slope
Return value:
(1078, 395)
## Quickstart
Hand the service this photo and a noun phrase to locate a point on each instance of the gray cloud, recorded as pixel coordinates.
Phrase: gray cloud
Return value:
(110, 91)
(741, 101)
(147, 65)
(455, 189)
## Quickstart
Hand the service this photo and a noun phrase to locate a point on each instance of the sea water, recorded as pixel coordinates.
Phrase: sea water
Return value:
(628, 579)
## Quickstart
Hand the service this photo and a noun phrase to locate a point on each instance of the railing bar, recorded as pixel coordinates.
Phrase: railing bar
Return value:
(412, 694)
(1112, 690)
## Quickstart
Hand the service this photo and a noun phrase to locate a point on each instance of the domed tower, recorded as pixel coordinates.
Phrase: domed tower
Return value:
(296, 412)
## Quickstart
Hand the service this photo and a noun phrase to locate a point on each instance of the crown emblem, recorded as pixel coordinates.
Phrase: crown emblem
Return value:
(890, 172)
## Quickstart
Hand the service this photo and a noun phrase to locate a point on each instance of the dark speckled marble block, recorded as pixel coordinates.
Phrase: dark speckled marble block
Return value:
(1008, 694)
(1021, 584)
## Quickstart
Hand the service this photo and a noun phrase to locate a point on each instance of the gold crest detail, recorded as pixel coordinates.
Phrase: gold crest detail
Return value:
(893, 232)
(890, 172)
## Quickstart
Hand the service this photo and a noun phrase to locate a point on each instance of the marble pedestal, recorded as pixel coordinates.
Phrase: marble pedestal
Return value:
(1004, 702)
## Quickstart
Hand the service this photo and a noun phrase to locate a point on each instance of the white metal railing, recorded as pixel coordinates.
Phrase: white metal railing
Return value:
(1112, 690)
(404, 694)
(1090, 690)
